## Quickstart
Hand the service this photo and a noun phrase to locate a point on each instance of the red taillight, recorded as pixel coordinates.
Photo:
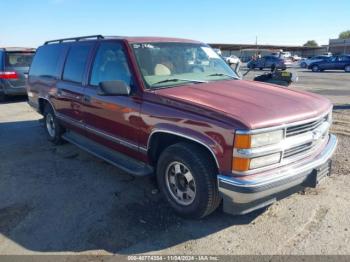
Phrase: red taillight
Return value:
(8, 75)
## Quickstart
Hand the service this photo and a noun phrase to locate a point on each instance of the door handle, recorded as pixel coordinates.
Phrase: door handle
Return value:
(87, 99)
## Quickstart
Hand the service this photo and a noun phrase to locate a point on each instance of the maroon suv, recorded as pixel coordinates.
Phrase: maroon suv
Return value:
(173, 107)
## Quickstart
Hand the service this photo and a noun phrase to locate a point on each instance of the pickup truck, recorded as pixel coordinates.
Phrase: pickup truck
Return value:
(173, 108)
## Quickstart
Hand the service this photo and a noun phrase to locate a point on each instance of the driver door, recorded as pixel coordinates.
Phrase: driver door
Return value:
(111, 120)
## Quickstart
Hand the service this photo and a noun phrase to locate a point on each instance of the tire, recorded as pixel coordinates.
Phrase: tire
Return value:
(53, 128)
(303, 65)
(315, 68)
(184, 167)
(347, 69)
(261, 68)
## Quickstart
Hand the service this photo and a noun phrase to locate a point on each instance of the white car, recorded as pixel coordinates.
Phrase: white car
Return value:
(304, 63)
(232, 59)
(296, 58)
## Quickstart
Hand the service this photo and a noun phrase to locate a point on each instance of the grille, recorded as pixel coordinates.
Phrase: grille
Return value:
(300, 151)
(303, 128)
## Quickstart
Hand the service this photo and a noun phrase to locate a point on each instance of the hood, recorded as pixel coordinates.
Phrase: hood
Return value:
(254, 104)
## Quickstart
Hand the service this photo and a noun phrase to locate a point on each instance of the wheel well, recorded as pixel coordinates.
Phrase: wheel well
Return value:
(42, 105)
(160, 141)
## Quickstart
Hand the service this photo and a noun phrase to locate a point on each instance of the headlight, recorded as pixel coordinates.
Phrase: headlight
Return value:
(245, 164)
(258, 140)
(265, 161)
(245, 145)
(330, 118)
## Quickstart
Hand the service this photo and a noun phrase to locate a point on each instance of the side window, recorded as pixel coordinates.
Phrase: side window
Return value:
(344, 58)
(1, 60)
(110, 64)
(76, 62)
(45, 62)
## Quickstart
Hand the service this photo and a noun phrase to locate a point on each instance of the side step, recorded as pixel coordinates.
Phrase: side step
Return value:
(121, 161)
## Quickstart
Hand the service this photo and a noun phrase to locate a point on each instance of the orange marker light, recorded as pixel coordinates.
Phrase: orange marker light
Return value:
(240, 164)
(242, 141)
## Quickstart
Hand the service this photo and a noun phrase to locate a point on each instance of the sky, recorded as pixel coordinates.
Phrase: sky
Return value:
(289, 22)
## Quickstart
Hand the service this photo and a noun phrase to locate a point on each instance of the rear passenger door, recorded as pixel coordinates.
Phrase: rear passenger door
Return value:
(342, 62)
(70, 88)
(112, 120)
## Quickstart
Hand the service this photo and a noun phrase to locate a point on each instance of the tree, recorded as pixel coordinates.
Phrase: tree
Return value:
(311, 43)
(344, 35)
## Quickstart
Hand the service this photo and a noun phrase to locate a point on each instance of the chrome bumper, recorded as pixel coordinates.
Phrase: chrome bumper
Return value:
(242, 195)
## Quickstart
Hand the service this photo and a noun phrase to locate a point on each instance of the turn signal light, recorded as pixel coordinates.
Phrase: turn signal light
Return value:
(240, 164)
(242, 141)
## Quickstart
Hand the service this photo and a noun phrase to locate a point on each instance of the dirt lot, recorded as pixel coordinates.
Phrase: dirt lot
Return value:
(59, 199)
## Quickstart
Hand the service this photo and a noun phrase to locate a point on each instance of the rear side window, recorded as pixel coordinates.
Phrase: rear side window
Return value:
(76, 62)
(18, 59)
(45, 62)
(344, 58)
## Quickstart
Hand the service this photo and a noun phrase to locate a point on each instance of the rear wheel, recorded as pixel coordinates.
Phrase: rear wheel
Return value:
(347, 69)
(188, 180)
(315, 68)
(303, 65)
(53, 128)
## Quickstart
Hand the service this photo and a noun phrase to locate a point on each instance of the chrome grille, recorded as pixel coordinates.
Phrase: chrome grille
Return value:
(300, 129)
(299, 151)
(296, 150)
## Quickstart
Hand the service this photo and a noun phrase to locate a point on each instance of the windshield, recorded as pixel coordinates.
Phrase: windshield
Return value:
(169, 64)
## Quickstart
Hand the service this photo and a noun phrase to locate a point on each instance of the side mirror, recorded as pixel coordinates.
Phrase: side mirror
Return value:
(114, 88)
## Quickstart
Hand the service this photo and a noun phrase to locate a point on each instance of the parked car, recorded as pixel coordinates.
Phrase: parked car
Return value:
(341, 62)
(304, 63)
(205, 134)
(296, 58)
(270, 62)
(232, 59)
(14, 64)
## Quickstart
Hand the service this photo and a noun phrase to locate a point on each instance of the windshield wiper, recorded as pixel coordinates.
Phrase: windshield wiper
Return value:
(221, 74)
(178, 79)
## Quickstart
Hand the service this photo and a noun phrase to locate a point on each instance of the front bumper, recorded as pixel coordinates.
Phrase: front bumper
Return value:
(242, 195)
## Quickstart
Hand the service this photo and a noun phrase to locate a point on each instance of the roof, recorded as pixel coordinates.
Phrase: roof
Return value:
(130, 39)
(154, 39)
(17, 49)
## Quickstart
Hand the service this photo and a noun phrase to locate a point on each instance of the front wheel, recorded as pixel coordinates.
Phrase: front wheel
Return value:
(188, 180)
(315, 68)
(53, 128)
(347, 69)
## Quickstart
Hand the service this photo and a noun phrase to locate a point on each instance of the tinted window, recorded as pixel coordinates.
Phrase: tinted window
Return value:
(45, 62)
(1, 60)
(344, 58)
(18, 59)
(76, 62)
(110, 64)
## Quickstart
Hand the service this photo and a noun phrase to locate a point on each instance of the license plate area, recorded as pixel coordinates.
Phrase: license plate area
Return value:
(318, 174)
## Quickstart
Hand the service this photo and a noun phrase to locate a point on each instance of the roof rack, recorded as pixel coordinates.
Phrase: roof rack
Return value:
(74, 39)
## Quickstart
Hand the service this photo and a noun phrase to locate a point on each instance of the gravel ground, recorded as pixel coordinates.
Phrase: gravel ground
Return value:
(61, 200)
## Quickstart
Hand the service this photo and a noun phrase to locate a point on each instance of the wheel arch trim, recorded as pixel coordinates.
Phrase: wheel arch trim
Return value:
(47, 100)
(191, 138)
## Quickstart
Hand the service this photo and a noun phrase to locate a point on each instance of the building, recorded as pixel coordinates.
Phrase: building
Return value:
(339, 46)
(244, 50)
